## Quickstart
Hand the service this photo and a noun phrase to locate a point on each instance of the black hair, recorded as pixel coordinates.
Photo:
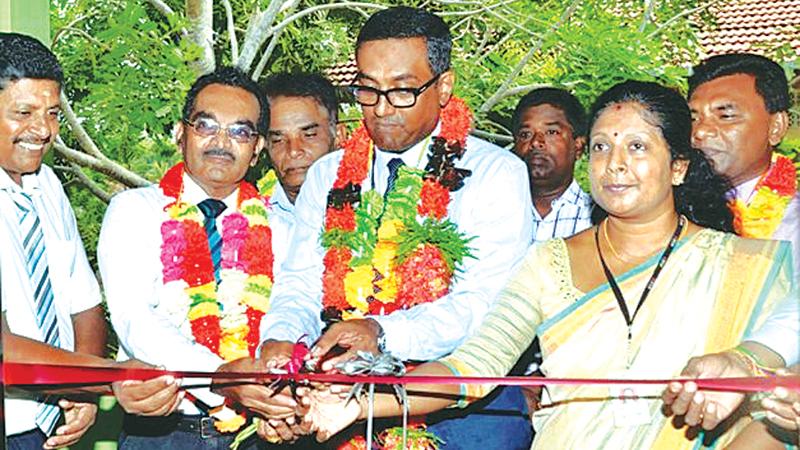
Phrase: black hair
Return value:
(559, 98)
(304, 85)
(702, 195)
(23, 56)
(771, 82)
(402, 22)
(229, 76)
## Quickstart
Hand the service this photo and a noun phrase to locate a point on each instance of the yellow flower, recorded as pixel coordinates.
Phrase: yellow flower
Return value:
(208, 290)
(356, 314)
(388, 286)
(358, 286)
(202, 310)
(389, 229)
(233, 344)
(383, 256)
(230, 425)
(267, 183)
(258, 300)
(257, 218)
(761, 218)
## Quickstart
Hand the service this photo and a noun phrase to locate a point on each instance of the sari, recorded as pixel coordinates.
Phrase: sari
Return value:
(714, 288)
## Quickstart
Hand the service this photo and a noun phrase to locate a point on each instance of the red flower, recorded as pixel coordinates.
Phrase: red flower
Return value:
(197, 266)
(424, 277)
(354, 166)
(207, 331)
(782, 177)
(336, 261)
(378, 308)
(434, 199)
(357, 443)
(254, 327)
(257, 251)
(456, 120)
(172, 183)
(246, 192)
(342, 219)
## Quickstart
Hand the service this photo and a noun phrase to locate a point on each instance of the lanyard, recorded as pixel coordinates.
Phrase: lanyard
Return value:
(615, 287)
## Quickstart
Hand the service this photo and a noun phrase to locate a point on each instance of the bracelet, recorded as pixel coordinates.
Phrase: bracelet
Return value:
(751, 362)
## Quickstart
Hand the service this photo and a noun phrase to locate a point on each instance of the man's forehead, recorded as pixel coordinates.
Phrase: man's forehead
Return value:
(394, 59)
(218, 99)
(32, 91)
(545, 112)
(732, 89)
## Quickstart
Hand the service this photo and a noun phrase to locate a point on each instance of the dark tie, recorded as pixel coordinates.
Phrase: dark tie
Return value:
(394, 166)
(211, 209)
(39, 273)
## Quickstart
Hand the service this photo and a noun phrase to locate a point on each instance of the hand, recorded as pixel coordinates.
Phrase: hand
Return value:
(277, 431)
(158, 396)
(783, 406)
(254, 394)
(327, 413)
(79, 417)
(706, 409)
(353, 335)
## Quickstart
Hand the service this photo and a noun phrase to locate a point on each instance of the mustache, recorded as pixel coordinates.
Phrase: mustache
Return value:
(32, 140)
(218, 151)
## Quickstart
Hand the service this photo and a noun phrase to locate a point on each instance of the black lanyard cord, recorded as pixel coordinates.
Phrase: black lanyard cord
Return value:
(615, 287)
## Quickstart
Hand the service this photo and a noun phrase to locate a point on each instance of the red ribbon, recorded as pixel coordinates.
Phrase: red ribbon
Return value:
(31, 375)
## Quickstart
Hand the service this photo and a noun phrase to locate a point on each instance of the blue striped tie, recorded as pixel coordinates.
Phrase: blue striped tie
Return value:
(211, 209)
(39, 272)
(394, 165)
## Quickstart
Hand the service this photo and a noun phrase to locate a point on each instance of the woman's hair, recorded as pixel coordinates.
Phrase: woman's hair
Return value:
(702, 196)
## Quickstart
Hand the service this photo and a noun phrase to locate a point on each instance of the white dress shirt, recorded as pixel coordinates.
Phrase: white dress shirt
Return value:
(781, 330)
(493, 206)
(571, 213)
(129, 255)
(73, 283)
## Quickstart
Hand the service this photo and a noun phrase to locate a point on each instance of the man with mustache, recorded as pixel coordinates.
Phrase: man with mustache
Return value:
(549, 127)
(739, 105)
(50, 297)
(404, 84)
(179, 259)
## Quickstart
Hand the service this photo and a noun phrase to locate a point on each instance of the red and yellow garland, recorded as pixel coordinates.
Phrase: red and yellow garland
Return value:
(760, 217)
(387, 255)
(225, 317)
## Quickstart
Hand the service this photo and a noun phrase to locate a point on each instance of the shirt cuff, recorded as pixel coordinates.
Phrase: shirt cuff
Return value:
(395, 331)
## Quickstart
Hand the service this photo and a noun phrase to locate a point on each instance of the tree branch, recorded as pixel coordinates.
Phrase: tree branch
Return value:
(201, 17)
(501, 138)
(257, 32)
(314, 9)
(262, 63)
(231, 30)
(109, 168)
(499, 94)
(87, 182)
(162, 7)
(648, 13)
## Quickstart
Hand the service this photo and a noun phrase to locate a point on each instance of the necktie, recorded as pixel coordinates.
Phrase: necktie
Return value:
(211, 209)
(39, 272)
(394, 165)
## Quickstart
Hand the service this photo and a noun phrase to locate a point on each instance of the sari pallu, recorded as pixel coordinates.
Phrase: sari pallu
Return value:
(713, 289)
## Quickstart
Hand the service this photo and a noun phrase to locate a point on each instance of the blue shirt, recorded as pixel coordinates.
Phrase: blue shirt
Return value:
(571, 214)
(493, 206)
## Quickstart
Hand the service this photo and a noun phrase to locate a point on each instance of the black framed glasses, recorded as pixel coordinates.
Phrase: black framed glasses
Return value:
(242, 133)
(397, 97)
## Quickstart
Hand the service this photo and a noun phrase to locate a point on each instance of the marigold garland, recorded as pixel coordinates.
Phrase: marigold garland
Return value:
(375, 255)
(761, 216)
(224, 317)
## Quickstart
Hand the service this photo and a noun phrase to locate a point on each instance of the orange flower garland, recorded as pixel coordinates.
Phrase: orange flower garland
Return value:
(375, 249)
(761, 216)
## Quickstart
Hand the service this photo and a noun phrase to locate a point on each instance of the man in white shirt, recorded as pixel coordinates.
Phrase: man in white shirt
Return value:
(149, 272)
(739, 105)
(404, 82)
(50, 297)
(549, 127)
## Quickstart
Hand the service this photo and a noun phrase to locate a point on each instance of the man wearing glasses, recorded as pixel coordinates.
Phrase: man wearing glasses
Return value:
(225, 120)
(404, 83)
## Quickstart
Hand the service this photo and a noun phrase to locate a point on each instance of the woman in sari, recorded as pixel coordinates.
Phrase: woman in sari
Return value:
(658, 280)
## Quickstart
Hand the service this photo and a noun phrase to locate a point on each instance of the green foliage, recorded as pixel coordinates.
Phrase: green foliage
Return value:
(444, 234)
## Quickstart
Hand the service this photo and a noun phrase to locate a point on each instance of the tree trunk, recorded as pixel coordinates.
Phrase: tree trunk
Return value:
(201, 19)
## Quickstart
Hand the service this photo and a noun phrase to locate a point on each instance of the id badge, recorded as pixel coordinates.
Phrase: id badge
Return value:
(629, 409)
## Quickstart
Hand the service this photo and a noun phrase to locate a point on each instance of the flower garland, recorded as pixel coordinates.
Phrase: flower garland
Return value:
(383, 255)
(418, 438)
(760, 217)
(224, 317)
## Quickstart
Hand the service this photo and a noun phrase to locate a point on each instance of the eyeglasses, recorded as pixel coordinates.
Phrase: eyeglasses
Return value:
(207, 127)
(397, 97)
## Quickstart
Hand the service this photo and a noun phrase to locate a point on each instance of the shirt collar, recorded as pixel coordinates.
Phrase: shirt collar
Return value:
(30, 183)
(194, 194)
(744, 190)
(281, 200)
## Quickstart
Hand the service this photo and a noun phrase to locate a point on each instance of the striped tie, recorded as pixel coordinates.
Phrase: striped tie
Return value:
(394, 166)
(39, 272)
(211, 209)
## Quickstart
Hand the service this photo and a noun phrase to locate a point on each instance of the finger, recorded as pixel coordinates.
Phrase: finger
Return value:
(159, 403)
(671, 393)
(781, 421)
(283, 429)
(66, 404)
(62, 441)
(680, 405)
(328, 340)
(779, 408)
(330, 364)
(694, 415)
(711, 416)
(266, 432)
